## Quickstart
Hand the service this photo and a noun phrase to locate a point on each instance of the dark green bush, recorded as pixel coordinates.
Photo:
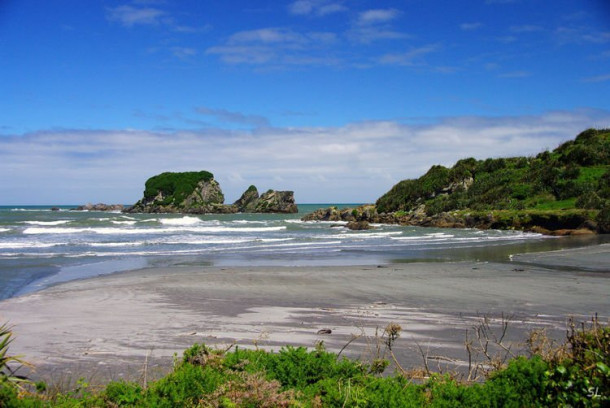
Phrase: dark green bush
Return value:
(123, 393)
(603, 218)
(522, 383)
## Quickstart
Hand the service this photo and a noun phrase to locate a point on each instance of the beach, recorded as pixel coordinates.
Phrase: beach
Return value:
(120, 325)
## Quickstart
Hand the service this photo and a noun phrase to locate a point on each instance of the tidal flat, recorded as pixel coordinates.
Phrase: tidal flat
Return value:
(113, 326)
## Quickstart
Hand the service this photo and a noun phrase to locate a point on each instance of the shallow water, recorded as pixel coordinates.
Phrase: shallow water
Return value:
(40, 247)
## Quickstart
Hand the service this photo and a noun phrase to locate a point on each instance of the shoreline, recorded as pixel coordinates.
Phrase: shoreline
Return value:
(117, 323)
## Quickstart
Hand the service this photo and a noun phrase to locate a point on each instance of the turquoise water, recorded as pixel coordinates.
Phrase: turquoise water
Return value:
(40, 247)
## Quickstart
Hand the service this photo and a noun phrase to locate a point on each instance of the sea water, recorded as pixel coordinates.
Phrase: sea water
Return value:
(40, 247)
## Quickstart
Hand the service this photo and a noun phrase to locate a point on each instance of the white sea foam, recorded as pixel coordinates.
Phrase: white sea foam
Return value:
(31, 210)
(306, 244)
(29, 245)
(325, 222)
(123, 222)
(47, 223)
(181, 221)
(193, 240)
(5, 229)
(266, 240)
(118, 231)
(115, 244)
(418, 238)
(135, 231)
(370, 235)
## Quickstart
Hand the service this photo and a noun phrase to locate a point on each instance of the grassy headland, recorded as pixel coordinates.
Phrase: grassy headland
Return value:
(564, 189)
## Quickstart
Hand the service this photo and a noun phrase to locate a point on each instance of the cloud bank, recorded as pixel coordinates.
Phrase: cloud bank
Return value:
(354, 163)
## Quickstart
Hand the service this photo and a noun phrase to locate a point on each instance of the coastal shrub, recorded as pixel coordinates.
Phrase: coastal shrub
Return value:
(589, 200)
(603, 217)
(586, 136)
(571, 172)
(184, 386)
(583, 378)
(463, 169)
(603, 185)
(492, 165)
(521, 383)
(521, 191)
(406, 193)
(123, 393)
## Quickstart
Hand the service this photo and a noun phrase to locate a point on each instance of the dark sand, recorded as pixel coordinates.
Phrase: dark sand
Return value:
(112, 326)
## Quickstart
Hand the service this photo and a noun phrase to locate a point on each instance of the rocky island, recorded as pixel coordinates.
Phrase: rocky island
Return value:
(561, 192)
(199, 193)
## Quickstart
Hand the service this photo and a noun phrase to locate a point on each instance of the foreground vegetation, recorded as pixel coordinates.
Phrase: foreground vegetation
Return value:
(575, 373)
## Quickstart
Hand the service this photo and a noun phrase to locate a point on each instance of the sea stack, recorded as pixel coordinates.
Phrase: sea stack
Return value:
(199, 193)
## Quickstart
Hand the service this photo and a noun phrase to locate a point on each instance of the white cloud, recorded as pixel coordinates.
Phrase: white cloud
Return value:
(598, 78)
(471, 26)
(226, 116)
(582, 34)
(183, 52)
(377, 16)
(528, 28)
(130, 16)
(315, 7)
(374, 25)
(408, 58)
(357, 162)
(516, 74)
(331, 9)
(277, 47)
(267, 36)
(301, 7)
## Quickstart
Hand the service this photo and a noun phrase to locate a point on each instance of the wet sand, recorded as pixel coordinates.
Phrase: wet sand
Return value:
(112, 326)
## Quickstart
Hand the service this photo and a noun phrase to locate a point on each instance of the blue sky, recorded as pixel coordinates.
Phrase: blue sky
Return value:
(336, 100)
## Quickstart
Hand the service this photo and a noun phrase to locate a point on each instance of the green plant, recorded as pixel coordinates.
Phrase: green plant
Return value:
(9, 374)
(583, 378)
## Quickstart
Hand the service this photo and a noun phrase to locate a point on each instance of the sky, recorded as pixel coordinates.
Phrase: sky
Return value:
(337, 100)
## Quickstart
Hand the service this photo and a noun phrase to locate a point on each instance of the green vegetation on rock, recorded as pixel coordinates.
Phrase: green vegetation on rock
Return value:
(574, 176)
(175, 187)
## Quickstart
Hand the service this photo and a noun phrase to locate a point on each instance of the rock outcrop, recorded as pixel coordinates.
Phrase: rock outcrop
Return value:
(534, 221)
(188, 192)
(247, 201)
(199, 193)
(276, 202)
(271, 201)
(98, 207)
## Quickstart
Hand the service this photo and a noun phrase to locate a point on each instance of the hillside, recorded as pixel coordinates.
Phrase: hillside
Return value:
(567, 188)
(574, 175)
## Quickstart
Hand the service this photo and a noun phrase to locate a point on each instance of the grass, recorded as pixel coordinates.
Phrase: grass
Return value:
(567, 204)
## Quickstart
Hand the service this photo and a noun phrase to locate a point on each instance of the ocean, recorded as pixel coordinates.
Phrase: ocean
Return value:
(40, 247)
